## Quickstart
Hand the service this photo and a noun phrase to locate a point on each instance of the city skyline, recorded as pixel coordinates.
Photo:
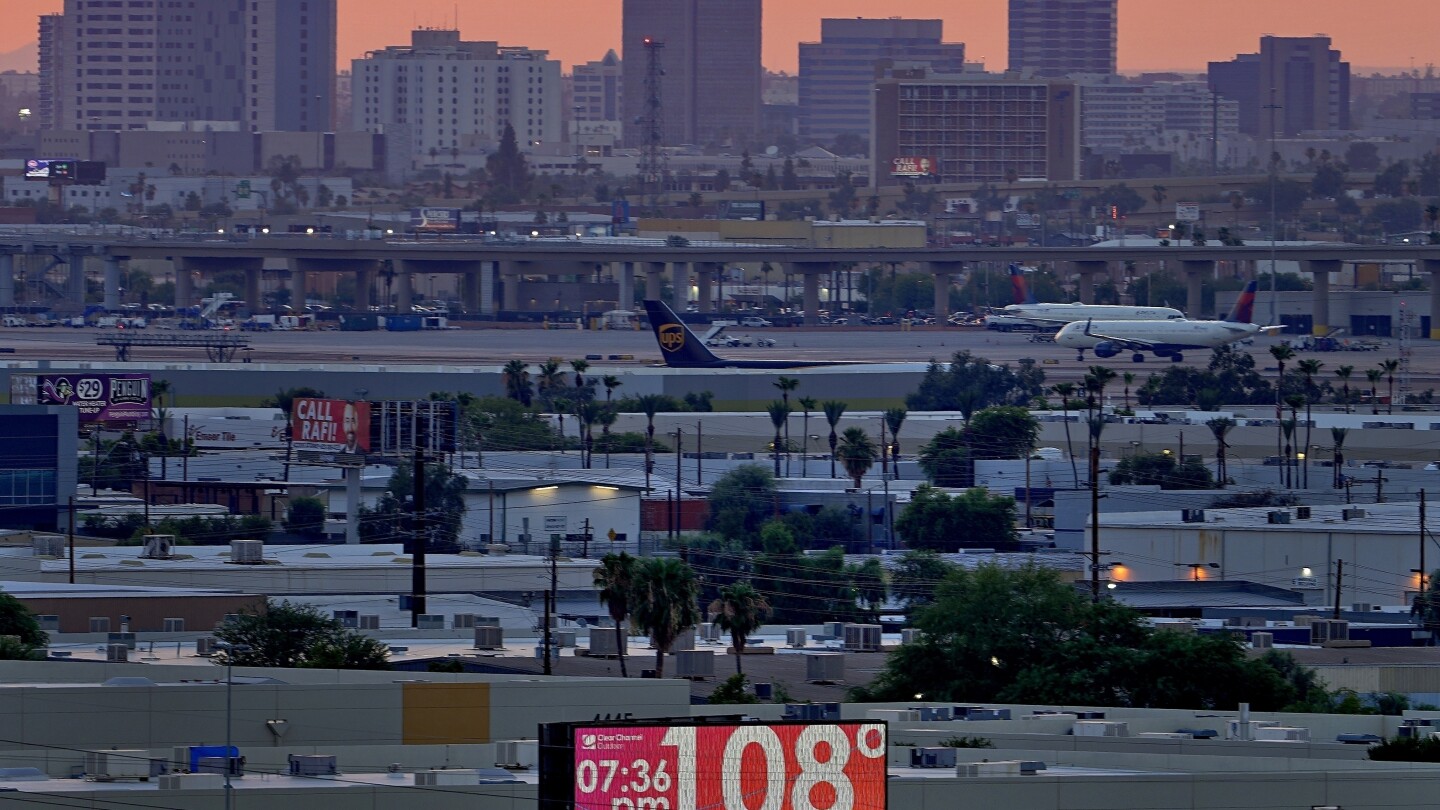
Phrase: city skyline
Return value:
(1151, 38)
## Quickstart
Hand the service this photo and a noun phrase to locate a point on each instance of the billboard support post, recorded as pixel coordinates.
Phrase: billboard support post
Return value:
(417, 554)
(352, 506)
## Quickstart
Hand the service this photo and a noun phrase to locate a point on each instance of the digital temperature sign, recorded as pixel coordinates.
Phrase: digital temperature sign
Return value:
(759, 766)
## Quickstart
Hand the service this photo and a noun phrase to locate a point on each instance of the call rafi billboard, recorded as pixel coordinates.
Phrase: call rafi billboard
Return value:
(100, 397)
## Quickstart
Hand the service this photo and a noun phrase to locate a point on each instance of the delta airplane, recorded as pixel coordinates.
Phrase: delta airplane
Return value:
(1027, 313)
(681, 349)
(1164, 338)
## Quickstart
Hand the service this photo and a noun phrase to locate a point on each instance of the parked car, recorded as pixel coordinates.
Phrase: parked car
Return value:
(753, 322)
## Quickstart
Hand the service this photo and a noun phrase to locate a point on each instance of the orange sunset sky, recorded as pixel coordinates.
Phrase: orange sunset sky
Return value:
(1154, 34)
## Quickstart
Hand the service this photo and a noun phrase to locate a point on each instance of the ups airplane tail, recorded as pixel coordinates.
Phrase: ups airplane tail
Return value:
(682, 349)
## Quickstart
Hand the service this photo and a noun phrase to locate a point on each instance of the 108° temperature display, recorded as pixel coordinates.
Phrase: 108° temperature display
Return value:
(822, 766)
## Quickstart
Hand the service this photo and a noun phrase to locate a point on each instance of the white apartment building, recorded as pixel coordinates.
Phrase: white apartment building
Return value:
(1118, 115)
(446, 94)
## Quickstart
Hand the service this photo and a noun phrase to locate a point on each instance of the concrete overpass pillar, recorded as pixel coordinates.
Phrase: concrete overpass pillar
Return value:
(7, 280)
(704, 277)
(253, 295)
(112, 283)
(680, 281)
(75, 289)
(810, 277)
(626, 279)
(1086, 279)
(654, 280)
(364, 279)
(404, 289)
(944, 273)
(184, 284)
(1432, 266)
(510, 278)
(299, 288)
(1320, 297)
(1195, 273)
(471, 282)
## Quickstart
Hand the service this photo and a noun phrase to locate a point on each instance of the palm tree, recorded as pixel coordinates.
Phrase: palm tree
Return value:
(611, 382)
(1220, 426)
(1281, 352)
(580, 367)
(857, 453)
(587, 414)
(1391, 366)
(1095, 383)
(650, 405)
(517, 381)
(740, 610)
(1344, 373)
(665, 604)
(1308, 368)
(1065, 391)
(807, 404)
(834, 409)
(1129, 378)
(779, 417)
(551, 380)
(615, 584)
(894, 419)
(1294, 401)
(786, 385)
(1337, 435)
(160, 392)
(1374, 375)
(607, 420)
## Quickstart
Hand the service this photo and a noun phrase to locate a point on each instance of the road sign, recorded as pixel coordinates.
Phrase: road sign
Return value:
(242, 190)
(1187, 212)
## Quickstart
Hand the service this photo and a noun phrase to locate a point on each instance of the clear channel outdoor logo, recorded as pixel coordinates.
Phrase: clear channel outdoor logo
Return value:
(672, 337)
(607, 742)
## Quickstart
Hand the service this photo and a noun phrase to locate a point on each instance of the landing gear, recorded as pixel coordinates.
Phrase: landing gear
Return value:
(1138, 357)
(1177, 358)
(1080, 358)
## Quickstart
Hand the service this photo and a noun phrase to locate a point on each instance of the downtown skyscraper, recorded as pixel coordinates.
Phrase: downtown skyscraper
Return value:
(710, 87)
(1055, 38)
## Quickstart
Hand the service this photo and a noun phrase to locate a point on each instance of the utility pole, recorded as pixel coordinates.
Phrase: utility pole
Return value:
(1422, 543)
(1339, 578)
(679, 459)
(1095, 521)
(72, 541)
(699, 452)
(550, 606)
(417, 554)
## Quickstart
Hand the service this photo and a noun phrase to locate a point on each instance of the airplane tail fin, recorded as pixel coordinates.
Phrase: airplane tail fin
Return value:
(1019, 286)
(678, 345)
(1244, 311)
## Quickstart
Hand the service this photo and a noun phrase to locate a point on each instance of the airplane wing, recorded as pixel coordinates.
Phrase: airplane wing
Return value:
(1271, 330)
(1036, 319)
(1126, 343)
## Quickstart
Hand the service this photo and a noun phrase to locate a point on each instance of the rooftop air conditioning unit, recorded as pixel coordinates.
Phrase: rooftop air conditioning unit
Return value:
(174, 625)
(489, 638)
(158, 546)
(835, 629)
(99, 624)
(117, 653)
(695, 664)
(457, 776)
(1192, 515)
(247, 552)
(1353, 513)
(935, 714)
(369, 621)
(47, 545)
(1302, 513)
(205, 645)
(430, 621)
(862, 637)
(348, 618)
(1364, 607)
(1278, 516)
(1282, 734)
(313, 765)
(795, 637)
(563, 638)
(103, 766)
(824, 667)
(1101, 728)
(1262, 641)
(516, 753)
(464, 621)
(192, 781)
(909, 635)
(606, 642)
(932, 757)
(684, 641)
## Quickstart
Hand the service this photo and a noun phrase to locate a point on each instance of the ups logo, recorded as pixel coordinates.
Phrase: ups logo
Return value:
(672, 337)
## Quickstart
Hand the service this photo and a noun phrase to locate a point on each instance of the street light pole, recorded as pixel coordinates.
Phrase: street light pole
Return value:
(230, 652)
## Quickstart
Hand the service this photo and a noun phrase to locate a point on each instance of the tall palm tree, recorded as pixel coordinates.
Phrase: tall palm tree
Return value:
(1308, 368)
(807, 404)
(580, 367)
(615, 585)
(1374, 375)
(611, 382)
(607, 420)
(1294, 402)
(1095, 383)
(786, 385)
(1337, 435)
(1281, 352)
(857, 453)
(1220, 426)
(834, 409)
(894, 419)
(161, 392)
(1065, 391)
(587, 414)
(517, 381)
(666, 603)
(779, 417)
(551, 381)
(1344, 373)
(650, 405)
(740, 610)
(1129, 378)
(1390, 367)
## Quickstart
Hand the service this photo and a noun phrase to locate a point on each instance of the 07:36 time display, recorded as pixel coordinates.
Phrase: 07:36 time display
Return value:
(593, 775)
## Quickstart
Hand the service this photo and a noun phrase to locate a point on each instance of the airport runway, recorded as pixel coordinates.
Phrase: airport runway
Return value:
(475, 347)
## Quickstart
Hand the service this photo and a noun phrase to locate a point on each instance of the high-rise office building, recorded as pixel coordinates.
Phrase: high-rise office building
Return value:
(448, 94)
(837, 74)
(260, 64)
(710, 87)
(1293, 85)
(1053, 38)
(597, 94)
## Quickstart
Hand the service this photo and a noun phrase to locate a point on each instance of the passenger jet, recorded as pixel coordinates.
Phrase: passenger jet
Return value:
(1164, 338)
(1027, 313)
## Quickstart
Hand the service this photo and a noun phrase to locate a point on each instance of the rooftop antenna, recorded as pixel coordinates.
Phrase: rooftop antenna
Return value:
(652, 153)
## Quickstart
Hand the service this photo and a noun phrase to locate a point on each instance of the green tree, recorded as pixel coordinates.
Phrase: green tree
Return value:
(789, 180)
(1344, 373)
(785, 385)
(833, 409)
(857, 453)
(1162, 470)
(780, 418)
(894, 420)
(914, 579)
(666, 594)
(942, 389)
(649, 405)
(305, 515)
(1363, 156)
(16, 620)
(517, 382)
(740, 502)
(945, 459)
(393, 516)
(807, 404)
(286, 634)
(508, 172)
(615, 584)
(740, 611)
(732, 692)
(937, 521)
(1002, 432)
